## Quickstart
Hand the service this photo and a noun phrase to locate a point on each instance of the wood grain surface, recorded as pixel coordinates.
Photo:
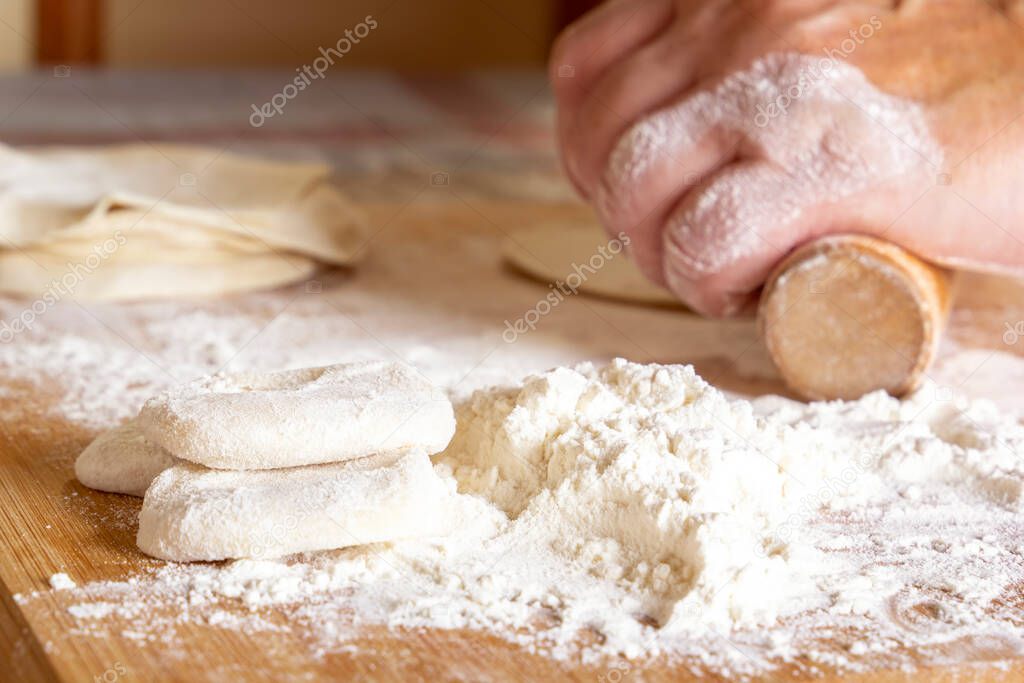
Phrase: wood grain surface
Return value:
(49, 523)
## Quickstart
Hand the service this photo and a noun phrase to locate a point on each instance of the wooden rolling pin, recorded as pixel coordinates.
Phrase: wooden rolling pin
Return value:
(848, 314)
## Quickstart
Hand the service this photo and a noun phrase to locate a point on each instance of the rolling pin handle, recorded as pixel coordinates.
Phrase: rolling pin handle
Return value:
(849, 314)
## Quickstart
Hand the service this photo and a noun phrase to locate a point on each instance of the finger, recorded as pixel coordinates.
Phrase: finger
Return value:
(601, 38)
(654, 164)
(721, 243)
(656, 75)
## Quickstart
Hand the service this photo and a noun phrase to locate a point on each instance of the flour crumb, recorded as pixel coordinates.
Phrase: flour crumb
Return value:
(61, 581)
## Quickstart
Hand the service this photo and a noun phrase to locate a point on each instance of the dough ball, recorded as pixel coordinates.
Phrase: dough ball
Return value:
(122, 460)
(192, 513)
(254, 421)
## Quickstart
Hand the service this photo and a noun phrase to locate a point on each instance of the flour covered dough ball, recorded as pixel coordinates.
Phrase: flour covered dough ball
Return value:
(255, 421)
(122, 460)
(192, 513)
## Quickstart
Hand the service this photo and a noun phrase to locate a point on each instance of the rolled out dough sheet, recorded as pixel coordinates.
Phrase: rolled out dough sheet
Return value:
(550, 252)
(166, 221)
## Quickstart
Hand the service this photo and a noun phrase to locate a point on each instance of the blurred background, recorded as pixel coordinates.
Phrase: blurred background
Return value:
(440, 35)
(396, 95)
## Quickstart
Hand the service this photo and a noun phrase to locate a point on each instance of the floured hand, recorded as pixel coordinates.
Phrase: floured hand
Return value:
(719, 135)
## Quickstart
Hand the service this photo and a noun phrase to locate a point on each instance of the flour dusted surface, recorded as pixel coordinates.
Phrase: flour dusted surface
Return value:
(915, 569)
(639, 505)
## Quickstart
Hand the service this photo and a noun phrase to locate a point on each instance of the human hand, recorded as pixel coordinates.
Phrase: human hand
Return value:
(721, 134)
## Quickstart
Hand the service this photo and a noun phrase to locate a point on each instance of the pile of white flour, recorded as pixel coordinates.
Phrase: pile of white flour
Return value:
(636, 508)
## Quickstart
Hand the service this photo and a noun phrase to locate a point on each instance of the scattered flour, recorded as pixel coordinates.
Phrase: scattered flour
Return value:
(638, 503)
(891, 525)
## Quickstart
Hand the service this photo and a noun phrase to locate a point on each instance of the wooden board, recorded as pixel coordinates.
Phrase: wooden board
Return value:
(49, 523)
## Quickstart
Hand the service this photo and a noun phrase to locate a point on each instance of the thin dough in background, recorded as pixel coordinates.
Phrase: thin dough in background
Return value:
(30, 273)
(142, 221)
(550, 252)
